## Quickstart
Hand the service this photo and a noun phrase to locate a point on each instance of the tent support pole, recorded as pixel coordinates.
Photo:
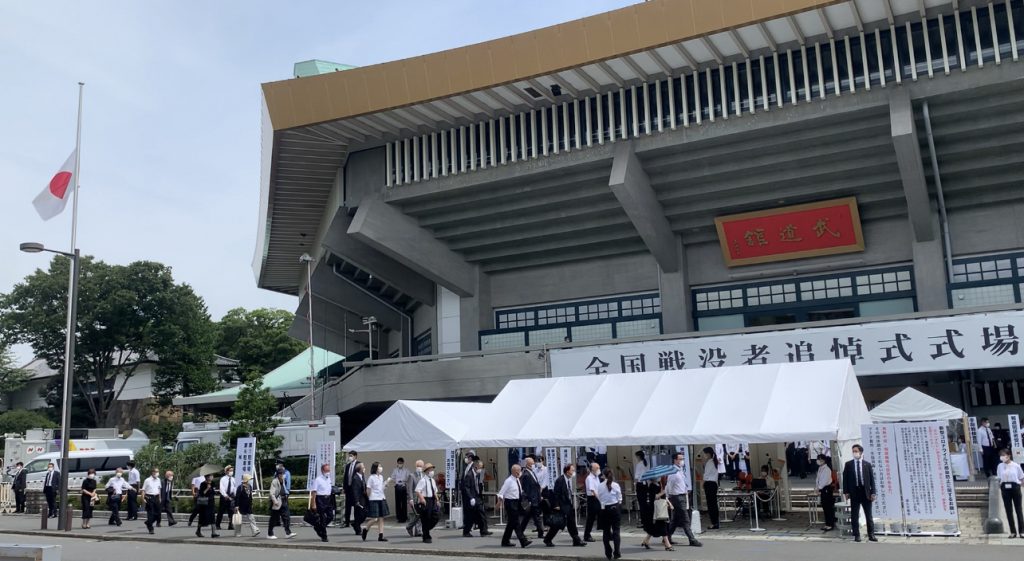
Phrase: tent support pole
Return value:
(966, 428)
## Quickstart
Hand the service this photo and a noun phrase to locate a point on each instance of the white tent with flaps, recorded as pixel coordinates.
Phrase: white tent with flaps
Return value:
(756, 404)
(912, 405)
(418, 425)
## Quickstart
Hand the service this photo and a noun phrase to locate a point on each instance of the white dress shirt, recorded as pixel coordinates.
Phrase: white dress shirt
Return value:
(1009, 472)
(227, 486)
(322, 484)
(985, 437)
(824, 478)
(399, 475)
(133, 477)
(639, 469)
(426, 487)
(543, 477)
(677, 484)
(151, 486)
(711, 471)
(375, 487)
(592, 482)
(720, 452)
(197, 481)
(118, 485)
(609, 497)
(511, 489)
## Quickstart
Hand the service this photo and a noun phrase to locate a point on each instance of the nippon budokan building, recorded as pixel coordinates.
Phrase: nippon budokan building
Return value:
(676, 184)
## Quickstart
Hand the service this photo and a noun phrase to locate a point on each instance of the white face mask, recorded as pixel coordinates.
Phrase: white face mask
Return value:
(1004, 459)
(92, 476)
(419, 470)
(49, 469)
(856, 455)
(821, 463)
(118, 474)
(430, 474)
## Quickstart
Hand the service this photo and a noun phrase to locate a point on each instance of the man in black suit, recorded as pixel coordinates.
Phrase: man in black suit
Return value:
(562, 502)
(473, 509)
(859, 488)
(19, 486)
(346, 486)
(531, 490)
(51, 487)
(166, 504)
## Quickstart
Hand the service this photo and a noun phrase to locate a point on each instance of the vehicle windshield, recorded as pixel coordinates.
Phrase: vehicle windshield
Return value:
(36, 466)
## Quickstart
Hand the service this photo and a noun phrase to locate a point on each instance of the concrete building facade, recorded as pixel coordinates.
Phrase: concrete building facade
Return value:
(642, 175)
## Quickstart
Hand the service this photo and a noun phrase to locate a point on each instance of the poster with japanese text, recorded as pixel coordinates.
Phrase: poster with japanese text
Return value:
(450, 467)
(1016, 443)
(879, 443)
(326, 454)
(245, 458)
(967, 341)
(551, 459)
(311, 471)
(926, 474)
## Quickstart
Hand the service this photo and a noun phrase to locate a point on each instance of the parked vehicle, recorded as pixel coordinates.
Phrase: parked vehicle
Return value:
(79, 463)
(36, 442)
(300, 437)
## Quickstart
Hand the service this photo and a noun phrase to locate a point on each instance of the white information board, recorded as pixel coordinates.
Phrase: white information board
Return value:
(880, 451)
(1016, 442)
(926, 475)
(566, 453)
(451, 460)
(245, 459)
(311, 471)
(551, 459)
(326, 453)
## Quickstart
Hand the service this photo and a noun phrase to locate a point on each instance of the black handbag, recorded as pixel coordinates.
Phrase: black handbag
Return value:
(555, 520)
(525, 504)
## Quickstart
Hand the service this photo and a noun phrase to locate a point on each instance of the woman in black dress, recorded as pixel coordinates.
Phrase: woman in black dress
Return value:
(657, 528)
(88, 498)
(206, 511)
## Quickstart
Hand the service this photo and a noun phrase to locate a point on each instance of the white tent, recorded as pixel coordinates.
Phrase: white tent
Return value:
(756, 404)
(912, 405)
(418, 425)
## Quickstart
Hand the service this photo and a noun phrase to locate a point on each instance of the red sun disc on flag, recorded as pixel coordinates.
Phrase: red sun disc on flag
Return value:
(59, 184)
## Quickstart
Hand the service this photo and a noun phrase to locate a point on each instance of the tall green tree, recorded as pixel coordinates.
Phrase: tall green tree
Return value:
(253, 415)
(127, 314)
(258, 339)
(12, 377)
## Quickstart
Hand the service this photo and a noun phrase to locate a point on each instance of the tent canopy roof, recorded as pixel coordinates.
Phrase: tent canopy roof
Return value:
(756, 404)
(912, 405)
(419, 425)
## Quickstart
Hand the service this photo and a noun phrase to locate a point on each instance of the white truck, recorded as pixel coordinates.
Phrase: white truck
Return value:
(300, 437)
(36, 442)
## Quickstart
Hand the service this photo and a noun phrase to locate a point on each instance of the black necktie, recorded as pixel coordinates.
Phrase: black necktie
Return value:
(860, 478)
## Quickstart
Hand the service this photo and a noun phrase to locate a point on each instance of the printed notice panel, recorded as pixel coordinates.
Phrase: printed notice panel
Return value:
(792, 232)
(926, 475)
(880, 451)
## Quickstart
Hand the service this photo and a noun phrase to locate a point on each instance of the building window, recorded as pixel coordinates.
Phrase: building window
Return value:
(813, 298)
(988, 280)
(422, 345)
(503, 340)
(591, 332)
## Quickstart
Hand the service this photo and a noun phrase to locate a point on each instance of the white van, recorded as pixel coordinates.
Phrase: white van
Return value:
(103, 461)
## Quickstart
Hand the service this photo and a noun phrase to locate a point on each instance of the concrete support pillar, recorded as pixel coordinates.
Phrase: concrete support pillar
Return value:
(930, 275)
(676, 310)
(475, 313)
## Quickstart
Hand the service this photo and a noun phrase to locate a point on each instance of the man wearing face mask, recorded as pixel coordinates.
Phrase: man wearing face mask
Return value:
(51, 486)
(346, 486)
(227, 497)
(1010, 479)
(20, 484)
(859, 488)
(987, 440)
(511, 498)
(151, 489)
(678, 491)
(134, 479)
(412, 481)
(117, 487)
(823, 483)
(473, 503)
(426, 494)
(400, 475)
(593, 504)
(167, 498)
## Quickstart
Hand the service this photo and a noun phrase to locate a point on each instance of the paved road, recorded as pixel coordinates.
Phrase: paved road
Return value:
(103, 542)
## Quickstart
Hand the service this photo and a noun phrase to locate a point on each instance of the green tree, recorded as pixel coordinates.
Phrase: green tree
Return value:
(12, 378)
(253, 415)
(182, 463)
(258, 339)
(127, 314)
(20, 420)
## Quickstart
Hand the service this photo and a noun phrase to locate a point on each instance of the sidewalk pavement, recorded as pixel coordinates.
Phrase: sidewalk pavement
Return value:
(718, 546)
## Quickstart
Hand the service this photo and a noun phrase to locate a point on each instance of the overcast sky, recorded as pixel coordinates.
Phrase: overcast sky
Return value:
(170, 141)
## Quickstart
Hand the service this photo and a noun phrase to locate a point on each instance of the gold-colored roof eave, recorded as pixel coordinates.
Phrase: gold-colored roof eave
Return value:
(389, 85)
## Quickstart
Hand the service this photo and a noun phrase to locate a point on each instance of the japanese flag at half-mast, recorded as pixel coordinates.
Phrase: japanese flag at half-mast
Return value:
(51, 201)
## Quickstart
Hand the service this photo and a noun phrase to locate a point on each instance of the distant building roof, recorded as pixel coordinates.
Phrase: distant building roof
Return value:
(315, 67)
(291, 379)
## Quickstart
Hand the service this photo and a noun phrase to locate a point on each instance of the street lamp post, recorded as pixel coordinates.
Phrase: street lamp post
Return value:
(69, 365)
(305, 258)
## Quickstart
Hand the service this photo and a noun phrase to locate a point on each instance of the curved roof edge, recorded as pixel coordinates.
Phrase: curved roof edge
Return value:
(380, 87)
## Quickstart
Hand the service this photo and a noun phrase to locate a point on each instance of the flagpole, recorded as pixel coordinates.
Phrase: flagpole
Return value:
(64, 513)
